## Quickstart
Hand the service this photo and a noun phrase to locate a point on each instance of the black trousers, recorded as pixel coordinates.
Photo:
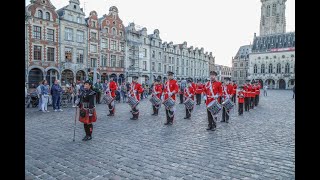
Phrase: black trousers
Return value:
(169, 119)
(98, 96)
(233, 98)
(112, 108)
(155, 109)
(188, 112)
(198, 98)
(211, 122)
(256, 100)
(135, 112)
(240, 109)
(252, 102)
(246, 103)
(88, 128)
(181, 98)
(225, 116)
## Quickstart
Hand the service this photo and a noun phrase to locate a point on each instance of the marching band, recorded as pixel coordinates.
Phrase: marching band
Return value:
(217, 95)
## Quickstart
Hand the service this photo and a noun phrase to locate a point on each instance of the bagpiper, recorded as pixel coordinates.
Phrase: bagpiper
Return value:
(134, 96)
(240, 100)
(199, 91)
(212, 92)
(112, 87)
(189, 99)
(156, 91)
(170, 89)
(87, 109)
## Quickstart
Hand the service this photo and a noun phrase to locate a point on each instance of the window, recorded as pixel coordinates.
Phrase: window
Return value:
(153, 66)
(36, 32)
(68, 53)
(114, 31)
(159, 67)
(278, 68)
(68, 34)
(113, 61)
(78, 19)
(104, 43)
(37, 53)
(287, 68)
(177, 71)
(80, 36)
(113, 45)
(182, 71)
(235, 74)
(104, 60)
(93, 24)
(122, 46)
(120, 33)
(145, 52)
(187, 72)
(121, 62)
(159, 44)
(247, 64)
(187, 62)
(80, 56)
(153, 43)
(241, 73)
(144, 65)
(165, 68)
(74, 6)
(107, 30)
(48, 16)
(255, 69)
(159, 55)
(50, 35)
(283, 56)
(177, 61)
(241, 64)
(182, 62)
(268, 10)
(40, 15)
(93, 62)
(165, 59)
(169, 59)
(50, 54)
(235, 64)
(274, 9)
(262, 68)
(153, 54)
(93, 35)
(93, 48)
(270, 68)
(145, 41)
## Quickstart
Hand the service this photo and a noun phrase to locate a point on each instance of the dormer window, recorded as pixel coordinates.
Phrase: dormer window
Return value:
(74, 6)
(114, 23)
(40, 14)
(47, 16)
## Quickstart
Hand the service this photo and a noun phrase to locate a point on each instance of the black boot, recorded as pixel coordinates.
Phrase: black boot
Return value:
(154, 110)
(90, 127)
(86, 129)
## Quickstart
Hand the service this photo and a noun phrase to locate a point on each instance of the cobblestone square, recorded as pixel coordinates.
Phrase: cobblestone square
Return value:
(260, 144)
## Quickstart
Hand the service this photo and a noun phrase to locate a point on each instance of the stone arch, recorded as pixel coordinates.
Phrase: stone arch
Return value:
(67, 77)
(271, 83)
(35, 75)
(282, 84)
(52, 74)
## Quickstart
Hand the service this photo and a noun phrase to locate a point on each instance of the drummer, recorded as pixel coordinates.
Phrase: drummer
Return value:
(170, 89)
(189, 94)
(156, 91)
(227, 93)
(212, 91)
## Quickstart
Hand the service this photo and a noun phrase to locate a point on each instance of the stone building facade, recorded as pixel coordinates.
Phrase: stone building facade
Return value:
(240, 64)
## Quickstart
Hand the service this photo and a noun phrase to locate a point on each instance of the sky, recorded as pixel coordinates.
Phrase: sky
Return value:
(219, 26)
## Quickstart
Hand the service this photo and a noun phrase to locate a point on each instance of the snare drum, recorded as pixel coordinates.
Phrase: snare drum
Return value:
(228, 104)
(133, 102)
(155, 100)
(108, 98)
(189, 103)
(168, 103)
(214, 107)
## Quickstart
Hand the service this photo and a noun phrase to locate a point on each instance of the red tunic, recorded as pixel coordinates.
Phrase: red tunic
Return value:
(234, 89)
(191, 92)
(172, 85)
(241, 96)
(157, 89)
(136, 87)
(199, 88)
(216, 88)
(113, 87)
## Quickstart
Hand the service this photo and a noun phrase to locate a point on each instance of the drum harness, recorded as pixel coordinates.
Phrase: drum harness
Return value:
(134, 94)
(154, 90)
(167, 84)
(109, 91)
(227, 97)
(213, 116)
(187, 89)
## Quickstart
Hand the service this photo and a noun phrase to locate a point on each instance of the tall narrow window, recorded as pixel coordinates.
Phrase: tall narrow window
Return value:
(153, 54)
(159, 55)
(121, 62)
(287, 68)
(122, 46)
(113, 61)
(153, 66)
(104, 60)
(50, 35)
(80, 56)
(145, 52)
(144, 65)
(255, 69)
(50, 54)
(270, 68)
(37, 53)
(68, 34)
(68, 54)
(274, 9)
(262, 68)
(40, 15)
(80, 36)
(93, 62)
(36, 32)
(113, 45)
(104, 43)
(93, 48)
(47, 16)
(268, 10)
(278, 68)
(159, 67)
(114, 31)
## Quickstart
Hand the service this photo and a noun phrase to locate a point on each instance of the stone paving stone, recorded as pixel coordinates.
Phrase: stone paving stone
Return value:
(258, 145)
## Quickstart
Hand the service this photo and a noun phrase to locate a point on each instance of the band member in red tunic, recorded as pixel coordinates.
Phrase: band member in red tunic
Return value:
(156, 91)
(112, 87)
(199, 91)
(227, 93)
(87, 109)
(135, 91)
(253, 94)
(170, 89)
(240, 100)
(212, 92)
(189, 93)
(257, 93)
(234, 92)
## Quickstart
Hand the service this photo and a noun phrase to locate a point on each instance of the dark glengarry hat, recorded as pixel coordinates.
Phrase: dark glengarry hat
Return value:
(189, 80)
(227, 79)
(213, 73)
(135, 77)
(170, 73)
(88, 82)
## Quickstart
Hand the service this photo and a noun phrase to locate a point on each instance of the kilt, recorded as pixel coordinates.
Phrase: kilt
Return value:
(88, 119)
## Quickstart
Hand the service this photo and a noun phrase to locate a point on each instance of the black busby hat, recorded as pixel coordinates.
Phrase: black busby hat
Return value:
(213, 73)
(189, 81)
(88, 82)
(157, 80)
(227, 79)
(170, 73)
(135, 77)
(198, 80)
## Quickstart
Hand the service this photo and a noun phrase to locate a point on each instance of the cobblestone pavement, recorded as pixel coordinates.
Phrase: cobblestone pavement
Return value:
(258, 145)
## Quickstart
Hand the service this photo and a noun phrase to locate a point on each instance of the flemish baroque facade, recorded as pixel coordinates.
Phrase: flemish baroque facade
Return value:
(240, 64)
(223, 72)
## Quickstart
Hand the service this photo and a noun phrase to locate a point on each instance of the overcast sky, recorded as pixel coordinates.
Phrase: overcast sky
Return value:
(219, 26)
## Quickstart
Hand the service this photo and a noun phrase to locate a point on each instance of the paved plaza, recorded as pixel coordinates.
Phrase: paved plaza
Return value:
(258, 145)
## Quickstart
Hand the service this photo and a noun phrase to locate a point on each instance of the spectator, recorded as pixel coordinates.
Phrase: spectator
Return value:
(294, 91)
(38, 90)
(56, 92)
(123, 91)
(73, 94)
(44, 96)
(98, 89)
(265, 89)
